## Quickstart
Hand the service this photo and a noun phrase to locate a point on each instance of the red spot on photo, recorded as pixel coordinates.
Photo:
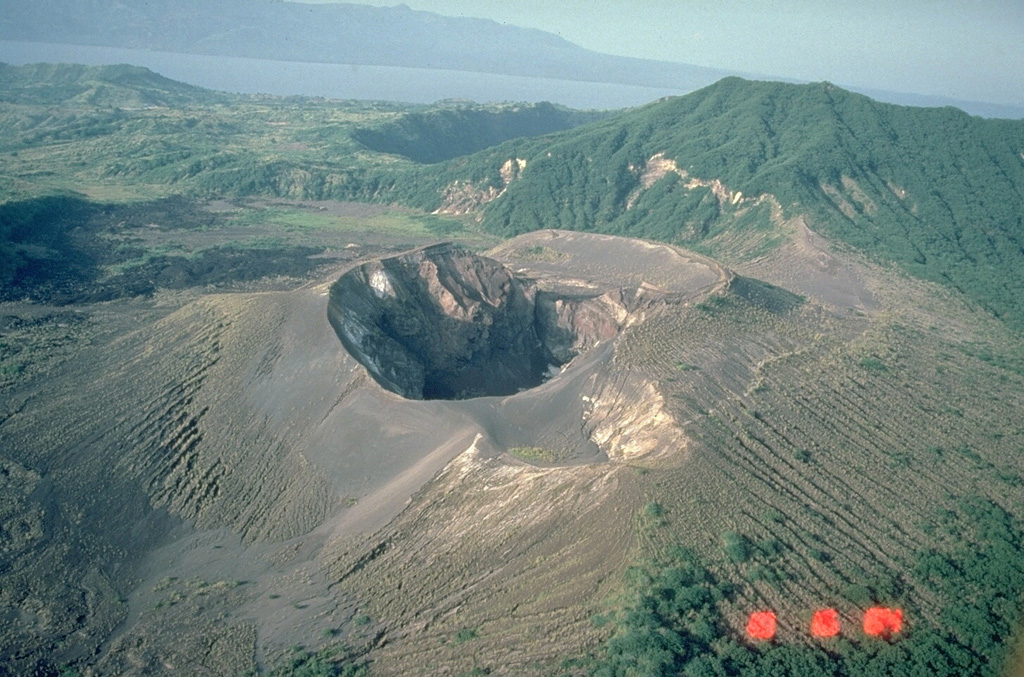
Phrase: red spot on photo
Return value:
(825, 623)
(761, 625)
(883, 622)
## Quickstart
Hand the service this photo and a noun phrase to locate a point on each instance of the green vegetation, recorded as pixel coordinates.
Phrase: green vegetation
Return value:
(110, 86)
(446, 133)
(465, 635)
(873, 363)
(654, 510)
(803, 455)
(536, 454)
(813, 437)
(673, 622)
(331, 662)
(541, 254)
(652, 516)
(353, 220)
(737, 547)
(123, 132)
(65, 249)
(934, 190)
(831, 472)
(35, 229)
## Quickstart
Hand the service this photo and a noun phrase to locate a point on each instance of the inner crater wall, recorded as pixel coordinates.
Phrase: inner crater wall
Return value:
(441, 323)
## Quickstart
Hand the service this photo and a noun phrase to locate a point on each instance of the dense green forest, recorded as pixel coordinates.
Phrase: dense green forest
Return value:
(936, 191)
(446, 133)
(673, 624)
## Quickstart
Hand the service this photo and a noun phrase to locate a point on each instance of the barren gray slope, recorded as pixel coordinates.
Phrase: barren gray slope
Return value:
(188, 477)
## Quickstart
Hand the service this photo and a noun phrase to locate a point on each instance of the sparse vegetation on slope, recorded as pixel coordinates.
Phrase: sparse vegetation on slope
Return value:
(839, 498)
(807, 477)
(672, 623)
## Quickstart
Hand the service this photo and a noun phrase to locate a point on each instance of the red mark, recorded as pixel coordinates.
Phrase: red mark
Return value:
(761, 625)
(825, 623)
(883, 622)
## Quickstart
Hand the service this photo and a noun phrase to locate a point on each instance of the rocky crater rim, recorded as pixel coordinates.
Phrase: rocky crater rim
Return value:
(442, 322)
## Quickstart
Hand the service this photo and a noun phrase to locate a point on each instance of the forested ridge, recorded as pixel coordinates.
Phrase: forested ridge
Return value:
(934, 190)
(119, 85)
(937, 191)
(445, 133)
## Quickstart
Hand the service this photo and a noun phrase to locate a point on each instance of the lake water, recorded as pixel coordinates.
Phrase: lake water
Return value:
(340, 81)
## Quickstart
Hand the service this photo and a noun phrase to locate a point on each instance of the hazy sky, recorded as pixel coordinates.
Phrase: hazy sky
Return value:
(966, 49)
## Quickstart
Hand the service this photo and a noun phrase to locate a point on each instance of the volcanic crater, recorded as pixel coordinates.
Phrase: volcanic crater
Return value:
(442, 322)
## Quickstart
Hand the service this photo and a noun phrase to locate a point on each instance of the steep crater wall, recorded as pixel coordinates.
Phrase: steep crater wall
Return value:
(443, 323)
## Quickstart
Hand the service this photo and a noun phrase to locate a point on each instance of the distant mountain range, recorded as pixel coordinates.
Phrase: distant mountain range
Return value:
(335, 33)
(364, 35)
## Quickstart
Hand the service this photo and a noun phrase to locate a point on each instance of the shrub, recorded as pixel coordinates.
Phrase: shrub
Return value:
(737, 547)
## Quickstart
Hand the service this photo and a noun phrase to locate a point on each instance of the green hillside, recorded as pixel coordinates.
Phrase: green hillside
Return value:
(111, 86)
(127, 132)
(445, 133)
(937, 191)
(934, 190)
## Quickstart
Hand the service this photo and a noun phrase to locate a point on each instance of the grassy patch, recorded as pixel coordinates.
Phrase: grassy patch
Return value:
(465, 635)
(872, 363)
(314, 220)
(535, 454)
(337, 661)
(541, 254)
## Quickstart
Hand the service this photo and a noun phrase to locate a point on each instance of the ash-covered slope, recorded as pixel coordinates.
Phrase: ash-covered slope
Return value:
(810, 456)
(734, 167)
(227, 481)
(181, 496)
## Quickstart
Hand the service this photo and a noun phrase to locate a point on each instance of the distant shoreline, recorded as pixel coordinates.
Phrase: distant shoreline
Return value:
(340, 81)
(398, 83)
